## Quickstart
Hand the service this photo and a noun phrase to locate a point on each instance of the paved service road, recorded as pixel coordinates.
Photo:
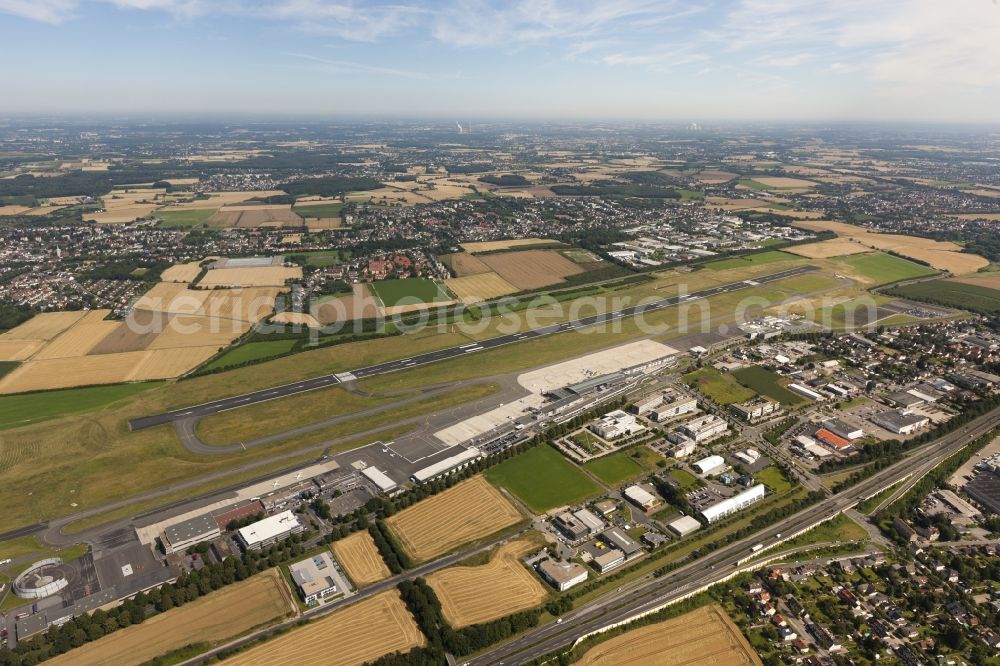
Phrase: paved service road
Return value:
(273, 392)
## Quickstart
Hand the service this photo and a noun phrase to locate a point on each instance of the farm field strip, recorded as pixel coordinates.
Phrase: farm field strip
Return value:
(360, 558)
(532, 269)
(360, 633)
(471, 510)
(470, 595)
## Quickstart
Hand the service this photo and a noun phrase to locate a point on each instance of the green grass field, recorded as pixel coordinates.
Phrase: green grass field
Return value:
(18, 410)
(184, 217)
(952, 294)
(250, 351)
(543, 479)
(884, 268)
(769, 257)
(615, 468)
(393, 292)
(766, 382)
(774, 479)
(721, 388)
(685, 480)
(320, 210)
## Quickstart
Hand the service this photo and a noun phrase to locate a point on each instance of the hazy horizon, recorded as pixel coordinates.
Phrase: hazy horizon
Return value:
(739, 61)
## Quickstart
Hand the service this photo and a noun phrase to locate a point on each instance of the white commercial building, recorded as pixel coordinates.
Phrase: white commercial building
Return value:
(314, 577)
(733, 504)
(682, 449)
(191, 532)
(749, 457)
(900, 423)
(704, 427)
(615, 424)
(805, 391)
(270, 530)
(648, 404)
(710, 465)
(684, 525)
(641, 497)
(446, 466)
(674, 409)
(563, 575)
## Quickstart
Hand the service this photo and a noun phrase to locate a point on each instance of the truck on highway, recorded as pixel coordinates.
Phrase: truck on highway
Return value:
(754, 549)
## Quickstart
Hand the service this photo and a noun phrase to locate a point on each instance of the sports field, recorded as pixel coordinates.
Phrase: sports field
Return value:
(766, 382)
(769, 257)
(360, 633)
(615, 468)
(223, 614)
(882, 268)
(471, 510)
(721, 388)
(543, 479)
(470, 595)
(704, 636)
(360, 558)
(412, 290)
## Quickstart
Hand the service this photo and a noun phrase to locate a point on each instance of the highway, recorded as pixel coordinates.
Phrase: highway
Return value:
(651, 593)
(263, 395)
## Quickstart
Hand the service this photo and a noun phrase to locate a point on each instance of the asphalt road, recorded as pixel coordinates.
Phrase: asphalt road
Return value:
(633, 600)
(263, 395)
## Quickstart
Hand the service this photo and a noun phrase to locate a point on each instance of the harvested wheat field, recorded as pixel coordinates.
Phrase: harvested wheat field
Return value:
(477, 594)
(995, 217)
(181, 272)
(703, 637)
(835, 247)
(221, 615)
(251, 304)
(942, 255)
(258, 276)
(784, 182)
(465, 264)
(531, 269)
(296, 318)
(714, 176)
(360, 558)
(359, 633)
(174, 298)
(44, 326)
(81, 337)
(359, 305)
(220, 199)
(13, 210)
(125, 205)
(66, 372)
(18, 350)
(490, 246)
(471, 510)
(482, 287)
(323, 223)
(248, 217)
(135, 333)
(989, 280)
(198, 331)
(727, 204)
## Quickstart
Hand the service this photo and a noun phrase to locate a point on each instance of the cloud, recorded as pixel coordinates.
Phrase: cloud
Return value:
(368, 23)
(347, 65)
(45, 11)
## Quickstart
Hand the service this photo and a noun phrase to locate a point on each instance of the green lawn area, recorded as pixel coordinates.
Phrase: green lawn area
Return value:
(774, 479)
(752, 184)
(766, 382)
(685, 480)
(768, 257)
(689, 195)
(885, 268)
(183, 217)
(251, 351)
(319, 210)
(18, 410)
(721, 388)
(393, 292)
(615, 468)
(542, 478)
(838, 530)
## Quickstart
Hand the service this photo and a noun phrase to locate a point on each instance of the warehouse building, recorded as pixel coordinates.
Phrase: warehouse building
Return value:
(985, 489)
(710, 465)
(641, 497)
(607, 561)
(684, 525)
(381, 480)
(447, 466)
(562, 575)
(183, 535)
(900, 422)
(805, 391)
(268, 531)
(313, 577)
(729, 506)
(843, 429)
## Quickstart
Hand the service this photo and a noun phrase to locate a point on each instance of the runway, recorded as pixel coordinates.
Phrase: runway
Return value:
(263, 395)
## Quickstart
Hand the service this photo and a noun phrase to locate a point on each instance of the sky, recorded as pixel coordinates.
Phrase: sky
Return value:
(770, 60)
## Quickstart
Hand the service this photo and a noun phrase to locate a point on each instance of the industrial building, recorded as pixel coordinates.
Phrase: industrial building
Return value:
(710, 465)
(447, 466)
(385, 485)
(181, 536)
(607, 561)
(684, 525)
(805, 391)
(682, 449)
(833, 441)
(809, 445)
(674, 409)
(268, 531)
(562, 575)
(615, 424)
(900, 423)
(985, 489)
(704, 427)
(313, 578)
(748, 457)
(618, 539)
(843, 429)
(641, 497)
(578, 525)
(733, 504)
